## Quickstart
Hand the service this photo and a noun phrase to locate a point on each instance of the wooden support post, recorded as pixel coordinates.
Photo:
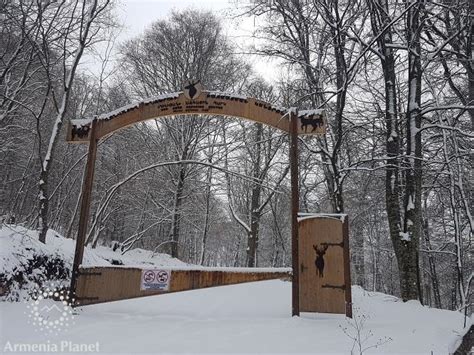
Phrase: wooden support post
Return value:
(294, 211)
(347, 267)
(85, 206)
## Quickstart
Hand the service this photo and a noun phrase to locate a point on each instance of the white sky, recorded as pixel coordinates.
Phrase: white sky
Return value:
(137, 15)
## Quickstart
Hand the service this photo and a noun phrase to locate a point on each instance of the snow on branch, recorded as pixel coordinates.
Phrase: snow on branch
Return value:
(440, 126)
(449, 107)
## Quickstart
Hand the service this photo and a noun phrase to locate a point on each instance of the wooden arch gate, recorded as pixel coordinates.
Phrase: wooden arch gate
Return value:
(192, 100)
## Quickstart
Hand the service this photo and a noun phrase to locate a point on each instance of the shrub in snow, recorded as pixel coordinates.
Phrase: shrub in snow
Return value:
(32, 275)
(357, 331)
(26, 264)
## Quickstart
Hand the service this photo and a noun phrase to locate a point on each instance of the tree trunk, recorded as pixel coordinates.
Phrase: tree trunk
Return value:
(175, 224)
(252, 235)
(410, 275)
(470, 64)
(205, 231)
(405, 238)
(84, 37)
(380, 19)
(432, 264)
(339, 43)
(43, 205)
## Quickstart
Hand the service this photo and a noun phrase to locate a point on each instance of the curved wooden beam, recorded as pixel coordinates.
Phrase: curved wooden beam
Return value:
(208, 103)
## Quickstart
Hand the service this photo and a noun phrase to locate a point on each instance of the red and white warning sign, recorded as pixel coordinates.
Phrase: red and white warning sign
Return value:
(155, 279)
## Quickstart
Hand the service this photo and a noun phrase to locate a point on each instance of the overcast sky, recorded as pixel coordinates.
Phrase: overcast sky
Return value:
(137, 15)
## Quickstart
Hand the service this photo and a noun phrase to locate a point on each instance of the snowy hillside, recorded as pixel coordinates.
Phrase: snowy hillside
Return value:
(24, 260)
(16, 238)
(246, 318)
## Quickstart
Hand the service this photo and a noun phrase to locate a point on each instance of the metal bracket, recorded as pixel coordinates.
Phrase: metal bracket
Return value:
(77, 301)
(87, 298)
(341, 244)
(89, 273)
(342, 287)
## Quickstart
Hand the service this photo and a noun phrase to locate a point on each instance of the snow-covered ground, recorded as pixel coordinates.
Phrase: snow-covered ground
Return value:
(253, 317)
(246, 318)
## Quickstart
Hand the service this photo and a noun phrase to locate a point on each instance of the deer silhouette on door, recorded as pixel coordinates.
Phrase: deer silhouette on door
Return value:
(319, 261)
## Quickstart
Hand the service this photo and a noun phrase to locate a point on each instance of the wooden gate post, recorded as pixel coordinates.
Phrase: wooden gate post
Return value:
(85, 206)
(347, 267)
(295, 202)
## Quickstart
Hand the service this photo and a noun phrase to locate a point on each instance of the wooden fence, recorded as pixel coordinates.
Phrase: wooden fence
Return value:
(105, 284)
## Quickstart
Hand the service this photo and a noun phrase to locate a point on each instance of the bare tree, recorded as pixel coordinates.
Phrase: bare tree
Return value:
(189, 45)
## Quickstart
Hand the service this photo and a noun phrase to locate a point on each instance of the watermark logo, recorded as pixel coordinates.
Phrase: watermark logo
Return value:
(50, 310)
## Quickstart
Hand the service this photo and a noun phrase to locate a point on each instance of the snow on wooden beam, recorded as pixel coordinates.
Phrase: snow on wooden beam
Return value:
(207, 103)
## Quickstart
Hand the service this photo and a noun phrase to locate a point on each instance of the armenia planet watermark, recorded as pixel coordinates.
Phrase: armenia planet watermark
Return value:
(64, 346)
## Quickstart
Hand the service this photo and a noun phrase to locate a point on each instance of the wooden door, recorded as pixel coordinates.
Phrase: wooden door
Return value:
(324, 265)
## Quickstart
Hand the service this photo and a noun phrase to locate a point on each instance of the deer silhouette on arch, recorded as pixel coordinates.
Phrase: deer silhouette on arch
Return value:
(192, 89)
(313, 122)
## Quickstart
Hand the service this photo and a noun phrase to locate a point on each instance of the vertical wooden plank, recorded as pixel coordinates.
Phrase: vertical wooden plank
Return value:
(85, 206)
(347, 267)
(294, 210)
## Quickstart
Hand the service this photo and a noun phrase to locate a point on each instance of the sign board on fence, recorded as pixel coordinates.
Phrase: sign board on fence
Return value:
(155, 279)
